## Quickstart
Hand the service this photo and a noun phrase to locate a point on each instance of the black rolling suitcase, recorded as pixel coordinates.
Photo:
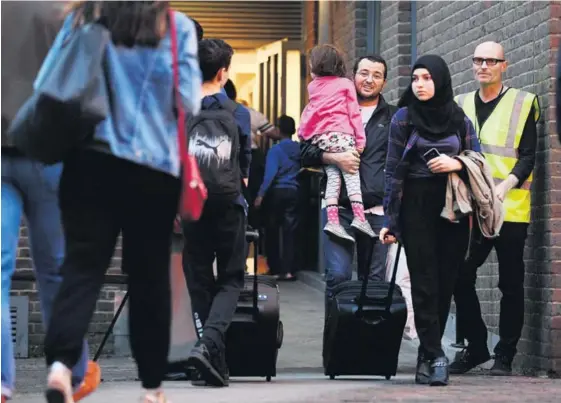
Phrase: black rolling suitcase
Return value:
(255, 334)
(364, 328)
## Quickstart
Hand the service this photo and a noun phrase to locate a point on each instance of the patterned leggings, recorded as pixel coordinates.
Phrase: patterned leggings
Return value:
(335, 142)
(333, 186)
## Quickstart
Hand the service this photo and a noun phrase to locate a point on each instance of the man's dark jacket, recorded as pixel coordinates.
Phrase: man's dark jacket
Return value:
(372, 160)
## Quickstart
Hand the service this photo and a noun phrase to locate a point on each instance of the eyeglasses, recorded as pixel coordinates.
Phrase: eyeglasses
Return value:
(374, 76)
(478, 61)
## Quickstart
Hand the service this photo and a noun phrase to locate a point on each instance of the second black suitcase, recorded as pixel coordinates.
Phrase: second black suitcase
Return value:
(255, 334)
(364, 328)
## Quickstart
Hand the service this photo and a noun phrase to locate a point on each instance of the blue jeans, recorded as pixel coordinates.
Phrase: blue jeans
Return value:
(31, 188)
(338, 254)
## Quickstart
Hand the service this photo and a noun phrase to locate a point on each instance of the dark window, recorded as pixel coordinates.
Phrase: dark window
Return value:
(413, 32)
(373, 27)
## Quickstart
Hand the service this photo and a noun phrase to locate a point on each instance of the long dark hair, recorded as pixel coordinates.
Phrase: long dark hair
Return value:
(131, 23)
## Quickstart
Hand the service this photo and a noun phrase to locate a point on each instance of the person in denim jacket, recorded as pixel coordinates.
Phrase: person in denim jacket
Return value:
(125, 182)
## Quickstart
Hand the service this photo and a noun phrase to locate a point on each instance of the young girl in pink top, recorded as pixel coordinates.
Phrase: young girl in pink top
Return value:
(332, 122)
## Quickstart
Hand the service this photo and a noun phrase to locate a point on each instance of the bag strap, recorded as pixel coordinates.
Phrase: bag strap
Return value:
(181, 133)
(230, 106)
(226, 104)
(364, 287)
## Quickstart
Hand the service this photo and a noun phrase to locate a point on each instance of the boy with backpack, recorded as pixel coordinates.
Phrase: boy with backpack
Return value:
(221, 143)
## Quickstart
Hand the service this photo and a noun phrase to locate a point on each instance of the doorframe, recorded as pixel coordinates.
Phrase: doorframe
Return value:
(271, 61)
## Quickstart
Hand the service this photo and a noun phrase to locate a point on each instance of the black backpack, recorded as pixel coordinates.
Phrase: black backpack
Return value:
(214, 141)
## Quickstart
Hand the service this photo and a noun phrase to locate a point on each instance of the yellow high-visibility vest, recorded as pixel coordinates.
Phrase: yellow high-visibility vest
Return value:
(500, 138)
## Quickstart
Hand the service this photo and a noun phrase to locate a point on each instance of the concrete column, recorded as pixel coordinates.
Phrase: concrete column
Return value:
(323, 22)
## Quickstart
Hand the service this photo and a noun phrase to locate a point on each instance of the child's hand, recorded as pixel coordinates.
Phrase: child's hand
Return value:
(360, 150)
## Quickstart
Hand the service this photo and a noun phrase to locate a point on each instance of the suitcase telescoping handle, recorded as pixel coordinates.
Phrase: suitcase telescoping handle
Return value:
(389, 297)
(253, 236)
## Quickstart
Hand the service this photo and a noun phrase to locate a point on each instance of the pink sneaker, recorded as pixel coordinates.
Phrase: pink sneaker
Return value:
(337, 230)
(363, 226)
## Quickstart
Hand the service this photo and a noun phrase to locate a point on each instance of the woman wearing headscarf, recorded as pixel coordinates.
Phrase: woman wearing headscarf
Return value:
(426, 133)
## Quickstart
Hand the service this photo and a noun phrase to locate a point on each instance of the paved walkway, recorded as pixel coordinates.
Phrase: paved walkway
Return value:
(300, 374)
(314, 388)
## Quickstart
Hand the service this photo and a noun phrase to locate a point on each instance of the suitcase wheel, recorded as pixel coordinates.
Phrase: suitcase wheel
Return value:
(280, 335)
(268, 378)
(388, 377)
(331, 376)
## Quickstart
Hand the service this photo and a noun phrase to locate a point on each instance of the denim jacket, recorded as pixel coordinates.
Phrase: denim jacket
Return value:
(141, 126)
(402, 139)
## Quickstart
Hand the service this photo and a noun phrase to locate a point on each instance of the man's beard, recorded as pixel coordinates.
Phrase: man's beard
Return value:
(367, 98)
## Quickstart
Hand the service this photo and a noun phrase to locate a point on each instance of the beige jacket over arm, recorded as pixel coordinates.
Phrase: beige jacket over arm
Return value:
(478, 196)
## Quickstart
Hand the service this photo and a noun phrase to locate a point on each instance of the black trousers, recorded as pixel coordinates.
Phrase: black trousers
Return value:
(435, 250)
(510, 252)
(102, 196)
(281, 224)
(220, 234)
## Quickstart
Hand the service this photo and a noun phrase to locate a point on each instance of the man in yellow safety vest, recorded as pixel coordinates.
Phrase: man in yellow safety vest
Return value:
(505, 121)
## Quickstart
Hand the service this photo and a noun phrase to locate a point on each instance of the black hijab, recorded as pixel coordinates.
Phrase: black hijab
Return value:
(440, 116)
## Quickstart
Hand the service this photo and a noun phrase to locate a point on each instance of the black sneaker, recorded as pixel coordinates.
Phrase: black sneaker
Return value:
(502, 366)
(177, 376)
(226, 376)
(467, 359)
(423, 373)
(197, 379)
(177, 371)
(201, 360)
(439, 369)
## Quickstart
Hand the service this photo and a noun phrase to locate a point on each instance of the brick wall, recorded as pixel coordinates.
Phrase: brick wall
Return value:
(348, 28)
(310, 35)
(530, 32)
(104, 310)
(360, 15)
(309, 25)
(395, 46)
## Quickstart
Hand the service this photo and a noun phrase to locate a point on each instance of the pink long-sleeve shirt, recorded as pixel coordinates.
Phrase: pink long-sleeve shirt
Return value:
(333, 107)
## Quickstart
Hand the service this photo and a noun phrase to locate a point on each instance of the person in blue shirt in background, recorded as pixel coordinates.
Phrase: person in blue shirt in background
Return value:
(280, 189)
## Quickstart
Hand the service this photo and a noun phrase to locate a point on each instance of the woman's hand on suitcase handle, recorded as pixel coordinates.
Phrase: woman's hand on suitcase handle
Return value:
(386, 237)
